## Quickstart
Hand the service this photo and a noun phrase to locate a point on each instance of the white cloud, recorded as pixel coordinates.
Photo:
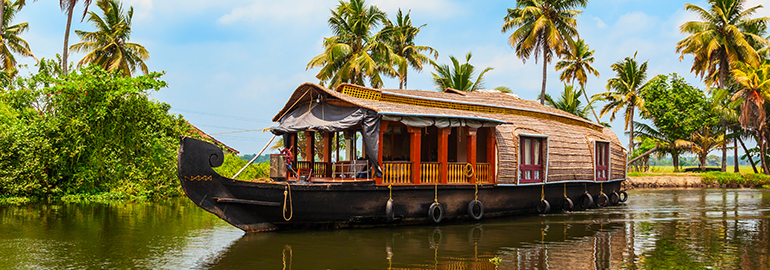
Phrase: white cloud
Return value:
(425, 8)
(142, 8)
(599, 23)
(296, 11)
(762, 12)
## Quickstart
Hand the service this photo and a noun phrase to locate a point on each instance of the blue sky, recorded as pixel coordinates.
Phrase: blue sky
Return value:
(231, 65)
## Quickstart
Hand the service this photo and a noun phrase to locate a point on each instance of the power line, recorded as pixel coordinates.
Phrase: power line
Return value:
(221, 116)
(238, 131)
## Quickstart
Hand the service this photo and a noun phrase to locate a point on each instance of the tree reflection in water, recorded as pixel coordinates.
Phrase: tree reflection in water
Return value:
(656, 229)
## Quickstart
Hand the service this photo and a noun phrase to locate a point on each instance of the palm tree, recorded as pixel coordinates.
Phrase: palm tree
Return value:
(68, 6)
(458, 76)
(755, 90)
(400, 37)
(624, 93)
(542, 26)
(353, 54)
(570, 101)
(724, 36)
(3, 5)
(11, 42)
(665, 144)
(108, 46)
(577, 64)
(705, 140)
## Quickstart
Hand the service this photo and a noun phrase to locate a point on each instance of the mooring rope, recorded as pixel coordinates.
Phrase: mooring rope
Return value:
(476, 195)
(435, 194)
(287, 193)
(565, 189)
(542, 192)
(390, 192)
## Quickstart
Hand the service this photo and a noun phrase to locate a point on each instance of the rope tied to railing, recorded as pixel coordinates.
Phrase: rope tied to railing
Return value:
(476, 195)
(390, 192)
(287, 193)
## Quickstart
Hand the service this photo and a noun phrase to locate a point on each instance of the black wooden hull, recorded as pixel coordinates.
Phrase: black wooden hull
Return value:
(254, 207)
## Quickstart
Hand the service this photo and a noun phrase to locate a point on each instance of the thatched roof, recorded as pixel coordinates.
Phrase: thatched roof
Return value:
(571, 138)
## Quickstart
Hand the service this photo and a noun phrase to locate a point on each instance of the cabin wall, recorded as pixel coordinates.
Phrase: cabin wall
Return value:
(570, 150)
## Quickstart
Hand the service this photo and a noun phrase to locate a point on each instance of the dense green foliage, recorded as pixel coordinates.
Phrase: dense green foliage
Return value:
(676, 108)
(90, 132)
(234, 163)
(735, 179)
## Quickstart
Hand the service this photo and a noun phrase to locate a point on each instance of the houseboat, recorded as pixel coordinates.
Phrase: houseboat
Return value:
(357, 156)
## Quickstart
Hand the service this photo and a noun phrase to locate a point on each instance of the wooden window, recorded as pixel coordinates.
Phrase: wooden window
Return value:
(532, 158)
(602, 161)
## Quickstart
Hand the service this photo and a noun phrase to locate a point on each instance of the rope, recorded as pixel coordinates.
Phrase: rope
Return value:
(476, 185)
(435, 198)
(542, 192)
(565, 189)
(286, 193)
(390, 190)
(601, 187)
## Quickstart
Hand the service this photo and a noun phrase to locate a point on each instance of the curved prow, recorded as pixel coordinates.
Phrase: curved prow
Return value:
(195, 162)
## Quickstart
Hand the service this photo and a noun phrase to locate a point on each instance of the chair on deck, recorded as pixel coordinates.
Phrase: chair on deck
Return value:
(304, 174)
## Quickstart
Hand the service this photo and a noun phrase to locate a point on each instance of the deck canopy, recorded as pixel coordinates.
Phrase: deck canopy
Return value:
(320, 116)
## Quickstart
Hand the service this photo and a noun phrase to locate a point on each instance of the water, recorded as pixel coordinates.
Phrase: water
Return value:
(656, 229)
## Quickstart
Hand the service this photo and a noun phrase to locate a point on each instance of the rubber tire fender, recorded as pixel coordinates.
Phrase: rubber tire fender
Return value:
(471, 207)
(602, 200)
(543, 206)
(614, 198)
(389, 210)
(586, 200)
(623, 196)
(435, 206)
(566, 205)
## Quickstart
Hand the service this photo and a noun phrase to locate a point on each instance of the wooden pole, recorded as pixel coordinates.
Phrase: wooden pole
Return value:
(414, 151)
(471, 151)
(443, 152)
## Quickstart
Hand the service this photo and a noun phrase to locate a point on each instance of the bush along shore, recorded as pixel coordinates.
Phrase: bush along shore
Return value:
(698, 180)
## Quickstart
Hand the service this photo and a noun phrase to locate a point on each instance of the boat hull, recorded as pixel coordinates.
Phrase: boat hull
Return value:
(255, 206)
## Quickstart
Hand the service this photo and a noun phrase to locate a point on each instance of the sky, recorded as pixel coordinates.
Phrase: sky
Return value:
(231, 65)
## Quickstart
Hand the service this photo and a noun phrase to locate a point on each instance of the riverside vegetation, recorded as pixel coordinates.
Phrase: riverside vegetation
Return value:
(91, 134)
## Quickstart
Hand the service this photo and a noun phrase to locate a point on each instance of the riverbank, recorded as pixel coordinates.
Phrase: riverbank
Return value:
(697, 180)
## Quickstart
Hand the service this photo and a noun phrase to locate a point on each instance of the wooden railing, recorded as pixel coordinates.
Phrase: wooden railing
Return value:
(397, 172)
(430, 172)
(319, 168)
(349, 169)
(456, 173)
(484, 173)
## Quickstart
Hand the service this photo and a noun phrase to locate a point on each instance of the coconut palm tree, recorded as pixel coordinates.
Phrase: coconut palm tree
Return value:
(353, 54)
(724, 36)
(458, 76)
(11, 41)
(68, 6)
(624, 93)
(577, 65)
(543, 27)
(705, 140)
(400, 36)
(755, 91)
(108, 46)
(665, 144)
(570, 101)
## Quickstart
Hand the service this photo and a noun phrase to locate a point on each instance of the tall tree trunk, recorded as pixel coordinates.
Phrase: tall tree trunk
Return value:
(724, 65)
(702, 158)
(2, 13)
(735, 156)
(588, 102)
(65, 51)
(545, 66)
(405, 74)
(748, 155)
(631, 130)
(763, 149)
(675, 159)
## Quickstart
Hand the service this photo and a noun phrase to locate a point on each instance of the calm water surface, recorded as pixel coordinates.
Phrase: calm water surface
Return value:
(655, 229)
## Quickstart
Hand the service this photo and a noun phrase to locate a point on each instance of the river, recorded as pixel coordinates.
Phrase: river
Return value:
(655, 229)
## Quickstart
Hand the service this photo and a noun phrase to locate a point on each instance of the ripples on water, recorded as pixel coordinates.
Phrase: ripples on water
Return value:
(656, 229)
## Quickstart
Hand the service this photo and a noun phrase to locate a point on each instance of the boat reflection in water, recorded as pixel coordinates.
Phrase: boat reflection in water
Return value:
(553, 242)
